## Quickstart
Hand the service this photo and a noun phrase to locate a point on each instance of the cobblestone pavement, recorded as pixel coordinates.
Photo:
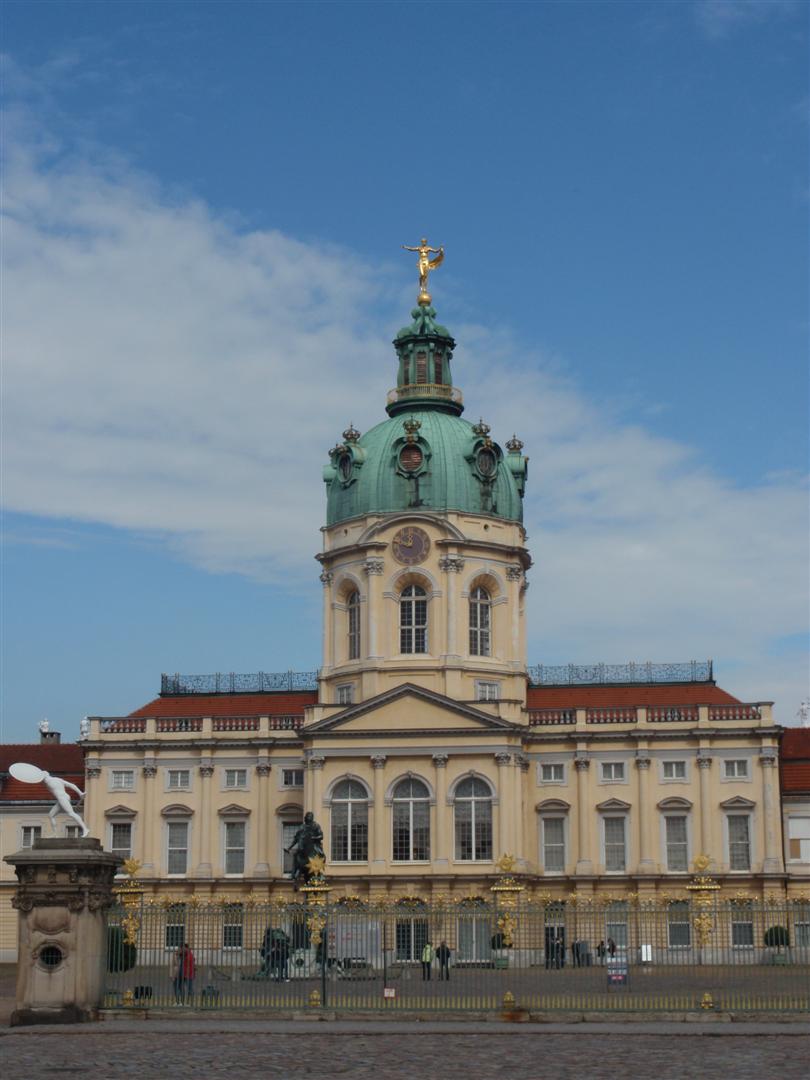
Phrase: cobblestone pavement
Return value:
(519, 1052)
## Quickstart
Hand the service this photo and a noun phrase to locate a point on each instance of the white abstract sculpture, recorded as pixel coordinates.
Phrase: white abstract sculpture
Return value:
(44, 726)
(32, 774)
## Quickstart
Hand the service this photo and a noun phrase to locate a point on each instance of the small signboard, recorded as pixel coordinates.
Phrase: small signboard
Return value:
(617, 973)
(389, 991)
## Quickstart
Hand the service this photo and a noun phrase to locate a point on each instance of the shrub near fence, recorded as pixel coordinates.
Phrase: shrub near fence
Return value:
(615, 956)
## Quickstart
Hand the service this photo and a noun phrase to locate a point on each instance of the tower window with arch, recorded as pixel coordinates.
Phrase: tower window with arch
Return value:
(349, 822)
(473, 820)
(353, 625)
(411, 821)
(413, 625)
(480, 622)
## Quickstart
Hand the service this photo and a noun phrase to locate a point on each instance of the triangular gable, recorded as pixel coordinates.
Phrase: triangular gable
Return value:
(233, 810)
(120, 812)
(434, 708)
(613, 804)
(738, 803)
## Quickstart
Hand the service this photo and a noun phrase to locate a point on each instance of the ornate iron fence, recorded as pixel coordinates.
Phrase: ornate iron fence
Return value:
(501, 952)
(257, 682)
(590, 674)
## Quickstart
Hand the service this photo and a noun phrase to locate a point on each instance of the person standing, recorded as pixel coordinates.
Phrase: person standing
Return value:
(443, 956)
(184, 975)
(600, 952)
(427, 960)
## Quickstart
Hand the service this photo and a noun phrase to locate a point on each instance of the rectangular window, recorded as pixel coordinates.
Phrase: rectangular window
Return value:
(799, 839)
(803, 934)
(232, 927)
(30, 833)
(487, 691)
(411, 827)
(612, 770)
(552, 772)
(177, 846)
(292, 777)
(345, 694)
(73, 832)
(739, 842)
(553, 844)
(677, 852)
(421, 367)
(354, 627)
(288, 831)
(615, 853)
(349, 831)
(413, 625)
(735, 769)
(236, 778)
(473, 828)
(235, 847)
(674, 770)
(175, 930)
(616, 926)
(122, 779)
(679, 929)
(121, 839)
(178, 779)
(742, 931)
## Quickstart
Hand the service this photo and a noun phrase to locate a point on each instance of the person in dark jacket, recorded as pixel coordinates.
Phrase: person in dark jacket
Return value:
(443, 956)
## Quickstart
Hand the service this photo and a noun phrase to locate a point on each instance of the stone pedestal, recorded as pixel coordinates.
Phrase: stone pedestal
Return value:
(64, 890)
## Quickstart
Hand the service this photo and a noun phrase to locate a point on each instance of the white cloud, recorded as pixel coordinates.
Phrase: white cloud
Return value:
(167, 372)
(719, 18)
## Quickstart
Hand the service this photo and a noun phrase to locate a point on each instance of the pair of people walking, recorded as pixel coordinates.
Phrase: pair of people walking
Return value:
(442, 954)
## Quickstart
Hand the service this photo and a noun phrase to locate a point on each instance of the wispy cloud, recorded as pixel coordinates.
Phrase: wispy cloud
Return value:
(169, 373)
(720, 18)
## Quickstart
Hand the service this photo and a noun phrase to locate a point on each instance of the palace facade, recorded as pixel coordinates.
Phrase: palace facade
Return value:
(424, 745)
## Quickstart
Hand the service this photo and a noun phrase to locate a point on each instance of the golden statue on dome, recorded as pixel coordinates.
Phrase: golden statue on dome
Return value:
(426, 264)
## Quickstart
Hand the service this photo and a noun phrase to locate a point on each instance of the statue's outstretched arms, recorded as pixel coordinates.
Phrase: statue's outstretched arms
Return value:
(78, 791)
(406, 248)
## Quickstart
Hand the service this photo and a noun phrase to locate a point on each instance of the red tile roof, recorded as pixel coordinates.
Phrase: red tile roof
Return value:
(796, 743)
(795, 777)
(794, 753)
(271, 704)
(61, 759)
(583, 697)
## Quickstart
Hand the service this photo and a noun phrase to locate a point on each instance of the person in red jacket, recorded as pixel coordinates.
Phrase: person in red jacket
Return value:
(184, 975)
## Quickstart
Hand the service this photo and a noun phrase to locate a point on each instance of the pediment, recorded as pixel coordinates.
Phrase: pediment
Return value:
(408, 708)
(177, 810)
(738, 803)
(120, 811)
(675, 802)
(560, 805)
(613, 804)
(233, 810)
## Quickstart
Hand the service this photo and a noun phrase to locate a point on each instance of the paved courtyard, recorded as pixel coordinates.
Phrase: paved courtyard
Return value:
(372, 1050)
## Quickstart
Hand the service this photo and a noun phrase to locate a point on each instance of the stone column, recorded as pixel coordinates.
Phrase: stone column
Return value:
(441, 855)
(93, 803)
(514, 574)
(584, 858)
(316, 765)
(203, 867)
(704, 762)
(505, 845)
(262, 867)
(326, 620)
(772, 863)
(644, 815)
(379, 860)
(149, 827)
(521, 770)
(451, 564)
(373, 568)
(64, 890)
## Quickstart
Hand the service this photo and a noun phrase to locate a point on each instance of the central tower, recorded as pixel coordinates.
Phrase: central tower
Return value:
(424, 555)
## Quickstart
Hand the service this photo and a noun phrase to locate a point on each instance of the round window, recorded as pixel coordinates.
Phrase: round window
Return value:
(487, 462)
(50, 957)
(410, 458)
(345, 466)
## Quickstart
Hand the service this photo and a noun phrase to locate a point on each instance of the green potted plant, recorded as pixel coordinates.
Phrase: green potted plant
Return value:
(777, 937)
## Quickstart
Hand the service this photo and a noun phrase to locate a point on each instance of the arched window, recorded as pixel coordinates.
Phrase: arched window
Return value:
(353, 609)
(411, 821)
(473, 813)
(480, 622)
(349, 822)
(413, 620)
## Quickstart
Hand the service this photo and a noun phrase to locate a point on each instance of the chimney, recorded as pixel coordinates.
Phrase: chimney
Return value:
(51, 738)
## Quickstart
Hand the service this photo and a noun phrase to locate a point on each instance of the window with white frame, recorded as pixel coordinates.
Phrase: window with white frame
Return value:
(480, 622)
(122, 779)
(28, 834)
(616, 925)
(235, 837)
(739, 841)
(232, 926)
(121, 838)
(799, 839)
(487, 691)
(612, 771)
(553, 844)
(73, 832)
(673, 770)
(236, 778)
(288, 830)
(178, 779)
(411, 821)
(472, 806)
(742, 926)
(679, 930)
(349, 822)
(345, 694)
(803, 934)
(552, 772)
(735, 769)
(175, 926)
(177, 847)
(615, 833)
(677, 842)
(292, 777)
(413, 624)
(353, 625)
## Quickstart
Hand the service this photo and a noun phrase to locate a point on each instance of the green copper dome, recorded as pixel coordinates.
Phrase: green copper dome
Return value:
(425, 456)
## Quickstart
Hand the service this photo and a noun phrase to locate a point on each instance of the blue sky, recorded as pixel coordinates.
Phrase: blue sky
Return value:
(203, 210)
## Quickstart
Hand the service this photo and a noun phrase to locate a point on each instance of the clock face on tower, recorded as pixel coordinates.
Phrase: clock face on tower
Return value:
(410, 545)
